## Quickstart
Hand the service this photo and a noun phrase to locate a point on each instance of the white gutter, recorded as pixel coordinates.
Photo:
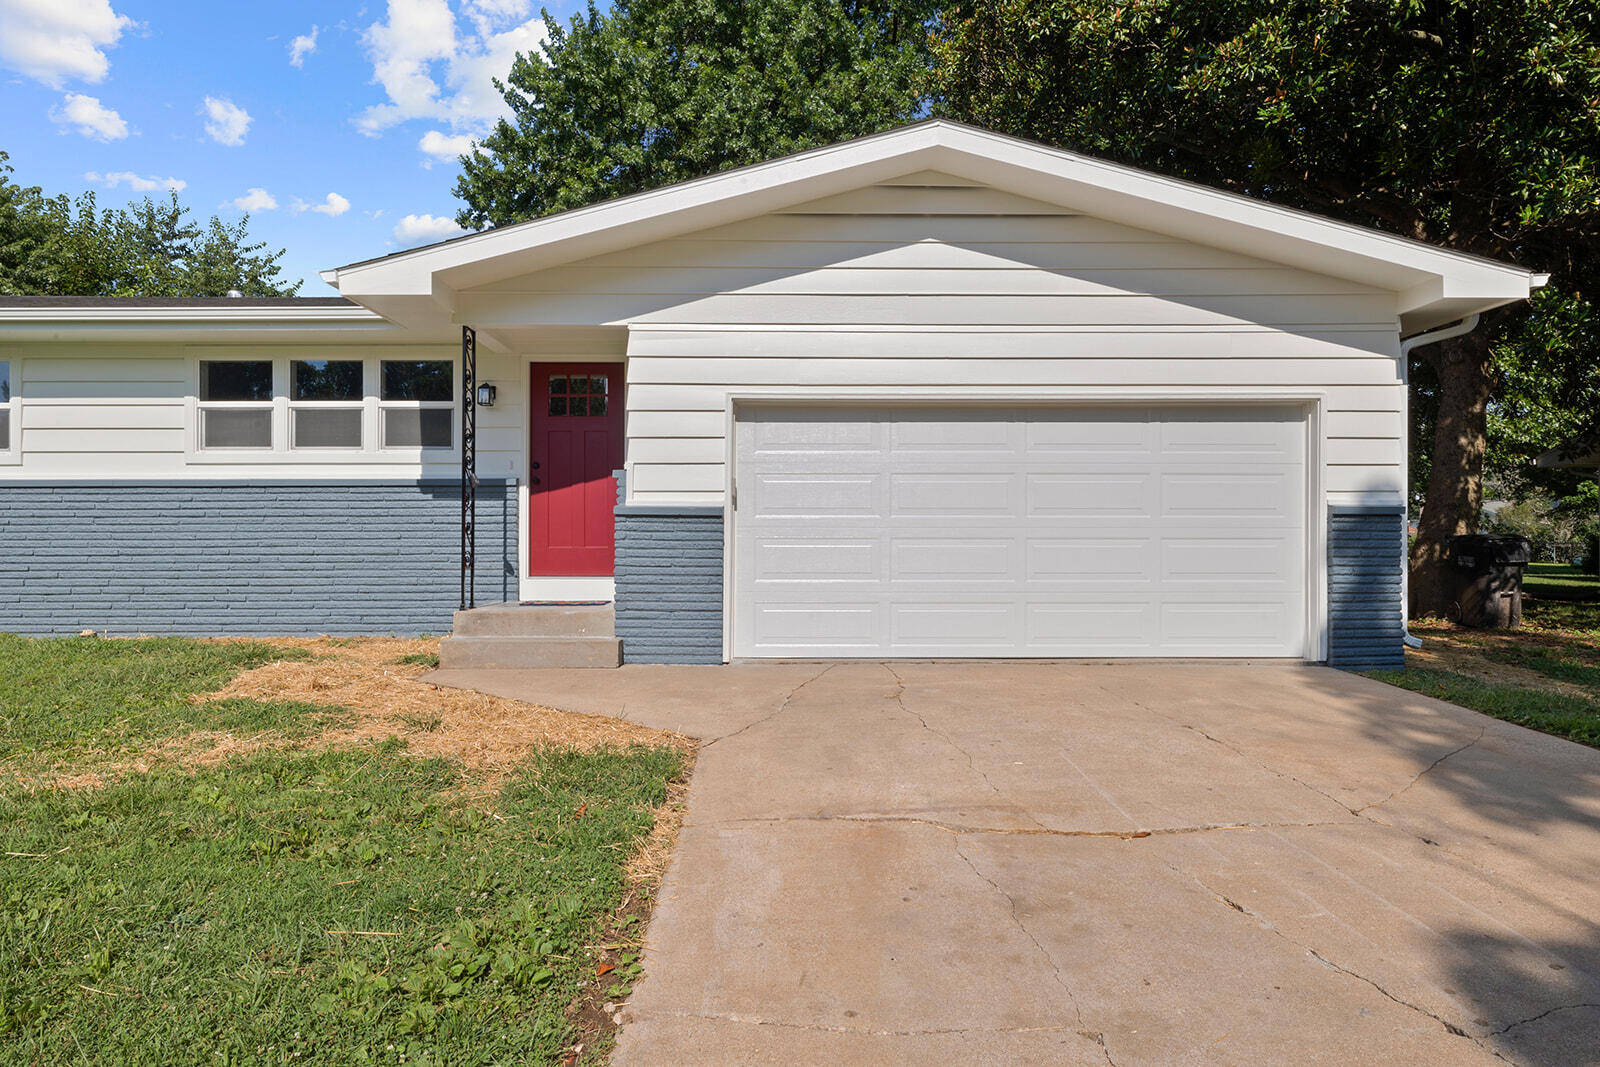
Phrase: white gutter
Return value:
(1443, 333)
(73, 316)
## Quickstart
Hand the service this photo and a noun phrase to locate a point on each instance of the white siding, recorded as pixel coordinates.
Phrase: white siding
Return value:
(935, 288)
(123, 411)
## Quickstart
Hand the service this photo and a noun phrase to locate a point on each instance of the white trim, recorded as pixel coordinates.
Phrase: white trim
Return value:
(371, 450)
(1431, 282)
(1312, 401)
(566, 587)
(82, 316)
(11, 455)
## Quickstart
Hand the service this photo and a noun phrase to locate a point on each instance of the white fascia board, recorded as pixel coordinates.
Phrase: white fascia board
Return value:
(1229, 221)
(1424, 275)
(190, 324)
(69, 316)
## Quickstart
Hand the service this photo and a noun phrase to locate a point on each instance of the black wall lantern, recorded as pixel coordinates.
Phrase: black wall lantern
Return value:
(486, 395)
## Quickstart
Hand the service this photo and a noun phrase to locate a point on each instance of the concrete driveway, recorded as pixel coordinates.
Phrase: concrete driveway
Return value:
(1106, 863)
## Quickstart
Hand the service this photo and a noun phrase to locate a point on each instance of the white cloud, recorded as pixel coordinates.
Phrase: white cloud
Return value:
(138, 184)
(424, 229)
(430, 68)
(443, 147)
(257, 199)
(89, 117)
(334, 206)
(302, 46)
(53, 41)
(226, 122)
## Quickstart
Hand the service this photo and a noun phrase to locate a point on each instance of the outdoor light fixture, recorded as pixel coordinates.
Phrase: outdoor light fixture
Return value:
(486, 395)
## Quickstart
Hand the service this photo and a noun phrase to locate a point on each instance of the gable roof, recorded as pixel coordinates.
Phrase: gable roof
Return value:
(1434, 285)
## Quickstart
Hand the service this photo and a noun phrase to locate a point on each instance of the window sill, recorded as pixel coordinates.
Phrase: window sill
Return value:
(331, 456)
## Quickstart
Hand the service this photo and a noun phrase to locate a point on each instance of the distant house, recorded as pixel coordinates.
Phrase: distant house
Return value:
(935, 392)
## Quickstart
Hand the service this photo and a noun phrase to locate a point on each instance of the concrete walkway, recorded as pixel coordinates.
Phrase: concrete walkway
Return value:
(1014, 863)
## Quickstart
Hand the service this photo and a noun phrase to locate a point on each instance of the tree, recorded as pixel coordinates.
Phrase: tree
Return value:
(60, 247)
(658, 91)
(1467, 125)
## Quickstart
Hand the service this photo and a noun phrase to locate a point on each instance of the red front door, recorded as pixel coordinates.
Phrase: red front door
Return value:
(577, 443)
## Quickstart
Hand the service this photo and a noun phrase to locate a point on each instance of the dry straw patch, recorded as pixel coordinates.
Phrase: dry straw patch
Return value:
(386, 698)
(1446, 649)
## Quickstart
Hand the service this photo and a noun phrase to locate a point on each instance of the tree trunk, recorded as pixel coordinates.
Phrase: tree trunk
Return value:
(1454, 499)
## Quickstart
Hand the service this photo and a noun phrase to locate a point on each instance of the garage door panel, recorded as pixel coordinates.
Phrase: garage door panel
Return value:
(1149, 531)
(1119, 495)
(954, 625)
(953, 559)
(1108, 559)
(846, 625)
(817, 495)
(830, 560)
(932, 495)
(1066, 628)
(1239, 559)
(1244, 496)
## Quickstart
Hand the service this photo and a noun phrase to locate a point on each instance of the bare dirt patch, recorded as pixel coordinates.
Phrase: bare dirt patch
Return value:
(385, 697)
(1448, 647)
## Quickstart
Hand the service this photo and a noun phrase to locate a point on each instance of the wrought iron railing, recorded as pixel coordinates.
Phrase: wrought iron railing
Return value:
(469, 467)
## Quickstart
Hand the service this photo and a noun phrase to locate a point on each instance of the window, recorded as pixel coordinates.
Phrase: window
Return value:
(335, 409)
(325, 403)
(236, 404)
(417, 403)
(5, 406)
(578, 394)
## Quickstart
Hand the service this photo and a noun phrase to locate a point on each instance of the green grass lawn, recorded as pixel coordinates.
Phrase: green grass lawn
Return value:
(1545, 676)
(353, 904)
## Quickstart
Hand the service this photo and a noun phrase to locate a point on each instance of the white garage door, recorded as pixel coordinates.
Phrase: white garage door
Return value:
(1050, 531)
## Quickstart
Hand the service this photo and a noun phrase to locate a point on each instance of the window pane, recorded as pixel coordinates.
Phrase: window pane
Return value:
(326, 428)
(5, 381)
(577, 406)
(418, 428)
(5, 430)
(326, 379)
(235, 429)
(417, 380)
(597, 405)
(558, 405)
(231, 380)
(597, 385)
(558, 385)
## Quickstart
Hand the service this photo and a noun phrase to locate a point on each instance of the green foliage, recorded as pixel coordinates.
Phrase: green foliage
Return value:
(1572, 717)
(356, 905)
(657, 91)
(344, 907)
(1468, 125)
(61, 699)
(60, 247)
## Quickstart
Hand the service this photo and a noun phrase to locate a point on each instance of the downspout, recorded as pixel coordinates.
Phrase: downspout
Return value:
(1443, 333)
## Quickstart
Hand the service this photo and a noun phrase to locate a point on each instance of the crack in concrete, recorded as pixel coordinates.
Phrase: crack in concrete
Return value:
(1423, 773)
(1022, 831)
(1272, 928)
(779, 711)
(1361, 812)
(1535, 1018)
(972, 765)
(1016, 919)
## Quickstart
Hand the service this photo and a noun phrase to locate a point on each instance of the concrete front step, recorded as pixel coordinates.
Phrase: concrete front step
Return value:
(536, 620)
(514, 652)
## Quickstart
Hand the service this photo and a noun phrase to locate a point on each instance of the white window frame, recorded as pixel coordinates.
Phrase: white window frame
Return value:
(326, 405)
(371, 450)
(203, 406)
(418, 405)
(11, 453)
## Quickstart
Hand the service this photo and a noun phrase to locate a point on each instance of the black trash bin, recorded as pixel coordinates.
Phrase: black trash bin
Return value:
(1486, 573)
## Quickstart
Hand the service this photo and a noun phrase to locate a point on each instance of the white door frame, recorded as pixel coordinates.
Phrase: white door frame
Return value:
(1312, 401)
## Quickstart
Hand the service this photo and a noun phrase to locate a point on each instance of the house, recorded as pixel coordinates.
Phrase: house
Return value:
(934, 392)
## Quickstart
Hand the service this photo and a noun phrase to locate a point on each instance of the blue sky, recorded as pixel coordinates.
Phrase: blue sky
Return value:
(334, 125)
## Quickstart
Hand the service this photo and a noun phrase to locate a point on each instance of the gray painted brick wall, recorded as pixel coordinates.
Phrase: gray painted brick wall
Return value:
(256, 559)
(1364, 589)
(669, 583)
